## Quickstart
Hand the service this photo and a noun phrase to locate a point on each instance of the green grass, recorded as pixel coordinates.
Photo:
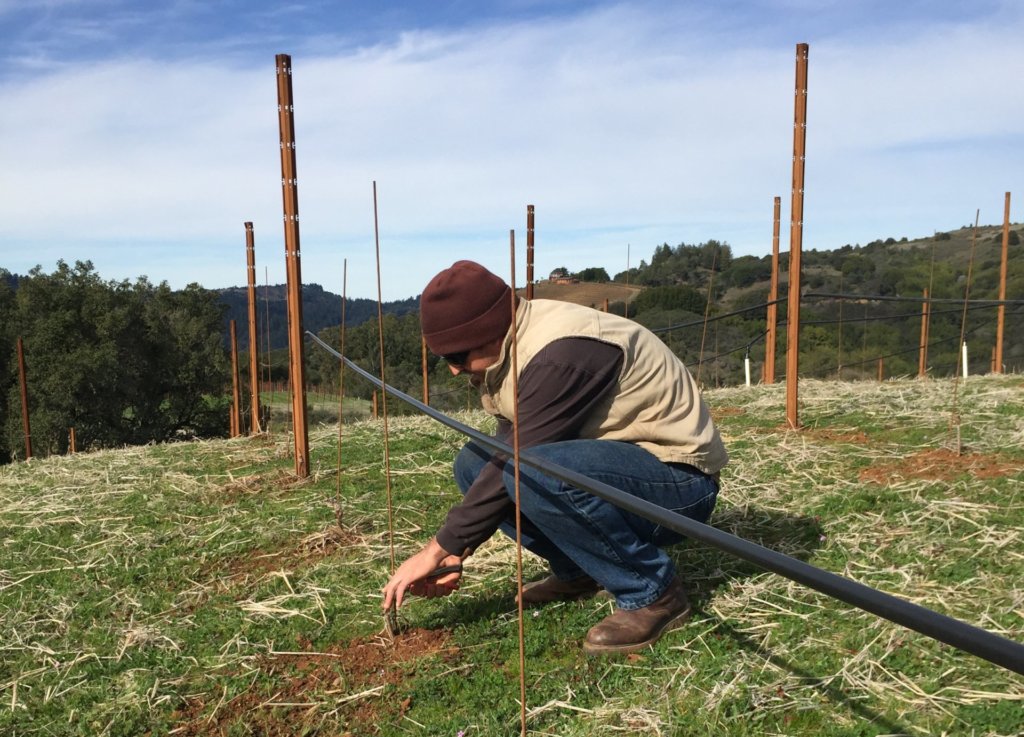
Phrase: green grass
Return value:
(163, 590)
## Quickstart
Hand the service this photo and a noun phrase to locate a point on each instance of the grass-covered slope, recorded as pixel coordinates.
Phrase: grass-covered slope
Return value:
(199, 589)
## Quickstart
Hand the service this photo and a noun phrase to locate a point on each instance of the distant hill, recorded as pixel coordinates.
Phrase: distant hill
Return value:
(320, 309)
(588, 294)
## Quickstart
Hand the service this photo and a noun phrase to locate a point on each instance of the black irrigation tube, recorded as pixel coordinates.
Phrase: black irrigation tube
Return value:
(878, 318)
(931, 300)
(715, 318)
(982, 643)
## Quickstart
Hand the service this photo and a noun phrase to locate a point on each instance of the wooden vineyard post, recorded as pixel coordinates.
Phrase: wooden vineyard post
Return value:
(997, 367)
(529, 253)
(796, 229)
(254, 364)
(236, 393)
(25, 425)
(290, 197)
(768, 372)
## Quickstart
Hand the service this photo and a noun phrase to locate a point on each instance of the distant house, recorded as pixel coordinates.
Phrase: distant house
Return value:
(562, 276)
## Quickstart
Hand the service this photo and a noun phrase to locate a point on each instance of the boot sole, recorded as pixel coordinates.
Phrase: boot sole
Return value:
(632, 647)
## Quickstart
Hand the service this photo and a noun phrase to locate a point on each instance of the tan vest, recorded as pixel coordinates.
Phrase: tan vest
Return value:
(656, 404)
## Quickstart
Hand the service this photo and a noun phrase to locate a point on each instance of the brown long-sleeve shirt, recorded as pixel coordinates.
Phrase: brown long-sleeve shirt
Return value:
(557, 391)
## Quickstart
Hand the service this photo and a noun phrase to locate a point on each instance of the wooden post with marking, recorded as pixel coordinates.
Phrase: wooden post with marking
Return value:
(529, 253)
(796, 234)
(922, 359)
(290, 196)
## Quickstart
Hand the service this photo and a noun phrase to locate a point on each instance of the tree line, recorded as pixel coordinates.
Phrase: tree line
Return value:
(133, 362)
(123, 363)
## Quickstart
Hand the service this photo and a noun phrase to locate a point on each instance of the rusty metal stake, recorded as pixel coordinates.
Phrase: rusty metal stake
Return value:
(516, 475)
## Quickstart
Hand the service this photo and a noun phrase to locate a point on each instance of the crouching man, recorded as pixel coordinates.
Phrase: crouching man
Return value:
(598, 394)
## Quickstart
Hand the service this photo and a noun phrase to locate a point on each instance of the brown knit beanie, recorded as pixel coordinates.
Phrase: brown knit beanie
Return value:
(464, 307)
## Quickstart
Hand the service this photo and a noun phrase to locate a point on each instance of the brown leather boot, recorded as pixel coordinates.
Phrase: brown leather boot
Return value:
(553, 588)
(629, 630)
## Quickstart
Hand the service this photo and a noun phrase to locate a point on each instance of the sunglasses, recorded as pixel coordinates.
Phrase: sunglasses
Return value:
(456, 359)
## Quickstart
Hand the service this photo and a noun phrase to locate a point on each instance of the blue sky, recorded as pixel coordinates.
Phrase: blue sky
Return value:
(141, 136)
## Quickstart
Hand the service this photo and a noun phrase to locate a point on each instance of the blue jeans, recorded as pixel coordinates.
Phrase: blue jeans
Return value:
(581, 534)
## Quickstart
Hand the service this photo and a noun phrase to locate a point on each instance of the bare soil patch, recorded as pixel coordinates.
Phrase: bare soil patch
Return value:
(941, 464)
(357, 683)
(301, 554)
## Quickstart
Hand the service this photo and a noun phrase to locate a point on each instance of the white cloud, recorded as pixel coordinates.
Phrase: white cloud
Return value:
(622, 126)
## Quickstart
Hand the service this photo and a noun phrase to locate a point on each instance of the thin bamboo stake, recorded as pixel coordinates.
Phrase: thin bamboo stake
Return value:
(955, 416)
(796, 231)
(290, 194)
(254, 379)
(383, 383)
(997, 368)
(338, 511)
(26, 427)
(707, 312)
(928, 309)
(236, 394)
(773, 295)
(515, 465)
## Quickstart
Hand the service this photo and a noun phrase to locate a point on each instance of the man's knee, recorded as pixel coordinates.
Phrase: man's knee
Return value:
(469, 462)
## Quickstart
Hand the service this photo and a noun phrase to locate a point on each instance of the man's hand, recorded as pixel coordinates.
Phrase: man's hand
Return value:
(413, 576)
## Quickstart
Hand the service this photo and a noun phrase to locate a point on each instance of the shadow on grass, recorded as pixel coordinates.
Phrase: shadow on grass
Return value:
(706, 568)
